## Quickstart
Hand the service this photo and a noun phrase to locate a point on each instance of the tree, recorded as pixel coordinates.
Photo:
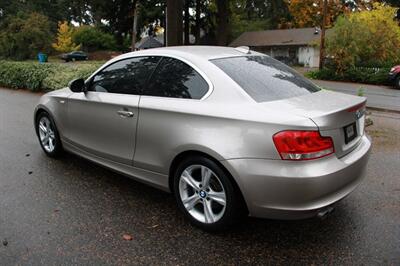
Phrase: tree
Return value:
(256, 15)
(308, 13)
(92, 38)
(23, 36)
(64, 43)
(366, 38)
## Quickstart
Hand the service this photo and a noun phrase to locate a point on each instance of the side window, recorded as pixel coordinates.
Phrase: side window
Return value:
(126, 76)
(174, 78)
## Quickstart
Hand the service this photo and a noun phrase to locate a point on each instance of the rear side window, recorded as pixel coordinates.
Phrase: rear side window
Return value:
(264, 78)
(127, 76)
(174, 78)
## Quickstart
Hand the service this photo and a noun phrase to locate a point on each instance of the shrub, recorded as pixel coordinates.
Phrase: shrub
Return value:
(40, 77)
(62, 74)
(93, 39)
(354, 74)
(367, 38)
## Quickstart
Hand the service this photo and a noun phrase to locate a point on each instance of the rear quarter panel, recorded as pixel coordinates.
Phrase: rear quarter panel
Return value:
(170, 126)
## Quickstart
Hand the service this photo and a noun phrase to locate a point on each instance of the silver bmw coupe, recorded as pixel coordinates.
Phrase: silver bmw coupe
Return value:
(229, 131)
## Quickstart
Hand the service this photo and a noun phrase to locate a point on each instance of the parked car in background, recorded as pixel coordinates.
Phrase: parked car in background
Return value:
(228, 131)
(394, 76)
(74, 56)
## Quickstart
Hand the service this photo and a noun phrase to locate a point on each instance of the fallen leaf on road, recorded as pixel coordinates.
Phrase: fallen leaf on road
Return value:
(127, 237)
(154, 226)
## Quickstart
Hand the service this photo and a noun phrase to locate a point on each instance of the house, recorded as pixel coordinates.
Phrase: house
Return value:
(291, 46)
(150, 42)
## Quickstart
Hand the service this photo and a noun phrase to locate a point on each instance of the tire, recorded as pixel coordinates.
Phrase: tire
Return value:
(212, 207)
(397, 82)
(48, 135)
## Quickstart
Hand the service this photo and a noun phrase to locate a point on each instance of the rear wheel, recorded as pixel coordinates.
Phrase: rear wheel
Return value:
(206, 195)
(47, 132)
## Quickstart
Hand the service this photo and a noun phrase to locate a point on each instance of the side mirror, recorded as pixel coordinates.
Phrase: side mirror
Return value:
(77, 85)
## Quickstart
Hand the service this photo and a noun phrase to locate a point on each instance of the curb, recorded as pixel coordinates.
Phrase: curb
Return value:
(383, 110)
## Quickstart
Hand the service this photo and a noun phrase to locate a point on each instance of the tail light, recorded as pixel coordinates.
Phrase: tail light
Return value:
(302, 145)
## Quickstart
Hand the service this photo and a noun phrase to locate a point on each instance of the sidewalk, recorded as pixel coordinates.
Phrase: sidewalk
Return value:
(378, 97)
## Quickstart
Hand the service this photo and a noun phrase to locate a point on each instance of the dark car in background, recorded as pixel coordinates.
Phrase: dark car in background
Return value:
(394, 76)
(74, 56)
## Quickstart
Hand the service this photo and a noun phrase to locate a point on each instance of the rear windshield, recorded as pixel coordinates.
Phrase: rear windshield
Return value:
(264, 78)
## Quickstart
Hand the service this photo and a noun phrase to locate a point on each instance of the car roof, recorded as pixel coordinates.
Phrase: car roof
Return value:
(193, 52)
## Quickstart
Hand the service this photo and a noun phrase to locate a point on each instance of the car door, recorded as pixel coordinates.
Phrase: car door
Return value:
(173, 92)
(103, 120)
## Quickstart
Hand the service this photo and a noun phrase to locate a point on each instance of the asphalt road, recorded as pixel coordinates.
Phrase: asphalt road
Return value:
(382, 97)
(70, 211)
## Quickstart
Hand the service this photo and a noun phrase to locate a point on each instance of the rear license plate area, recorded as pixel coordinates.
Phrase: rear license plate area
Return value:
(350, 132)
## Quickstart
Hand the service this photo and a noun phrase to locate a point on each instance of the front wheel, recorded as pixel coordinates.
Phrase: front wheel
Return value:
(47, 132)
(206, 195)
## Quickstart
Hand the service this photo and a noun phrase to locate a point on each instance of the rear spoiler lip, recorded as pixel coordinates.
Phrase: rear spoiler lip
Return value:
(357, 107)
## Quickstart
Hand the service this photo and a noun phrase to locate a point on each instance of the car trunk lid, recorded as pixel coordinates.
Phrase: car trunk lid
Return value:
(339, 116)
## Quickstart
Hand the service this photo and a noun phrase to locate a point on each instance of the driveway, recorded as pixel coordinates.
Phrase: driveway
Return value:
(379, 97)
(71, 211)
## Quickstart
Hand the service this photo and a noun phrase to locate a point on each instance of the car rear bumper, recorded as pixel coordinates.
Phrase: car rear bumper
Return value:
(295, 190)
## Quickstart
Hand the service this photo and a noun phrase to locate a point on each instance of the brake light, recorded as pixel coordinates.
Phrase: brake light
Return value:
(302, 145)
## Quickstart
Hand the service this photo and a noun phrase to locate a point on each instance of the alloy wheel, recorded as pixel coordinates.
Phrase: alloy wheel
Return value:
(202, 194)
(46, 134)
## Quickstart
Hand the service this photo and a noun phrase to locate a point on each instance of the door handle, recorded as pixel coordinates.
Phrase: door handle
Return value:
(124, 113)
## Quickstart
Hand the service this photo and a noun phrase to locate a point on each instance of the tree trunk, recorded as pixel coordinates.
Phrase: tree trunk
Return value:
(134, 26)
(223, 29)
(174, 22)
(187, 22)
(198, 26)
(322, 44)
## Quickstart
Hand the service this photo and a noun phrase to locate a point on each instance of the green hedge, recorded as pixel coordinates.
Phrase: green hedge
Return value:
(43, 77)
(356, 74)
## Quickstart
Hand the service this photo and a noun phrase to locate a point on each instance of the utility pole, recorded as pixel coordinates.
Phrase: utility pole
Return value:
(134, 26)
(322, 46)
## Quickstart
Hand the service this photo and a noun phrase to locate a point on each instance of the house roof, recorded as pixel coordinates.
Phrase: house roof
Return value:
(149, 42)
(286, 37)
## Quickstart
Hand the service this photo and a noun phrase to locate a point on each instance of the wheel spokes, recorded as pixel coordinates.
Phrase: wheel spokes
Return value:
(51, 144)
(202, 193)
(42, 127)
(218, 197)
(191, 201)
(208, 213)
(186, 177)
(205, 177)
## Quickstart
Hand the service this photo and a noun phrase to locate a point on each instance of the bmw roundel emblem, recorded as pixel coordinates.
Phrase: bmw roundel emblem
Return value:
(202, 194)
(359, 114)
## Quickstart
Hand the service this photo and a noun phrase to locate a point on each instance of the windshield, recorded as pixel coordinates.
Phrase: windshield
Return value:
(264, 78)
